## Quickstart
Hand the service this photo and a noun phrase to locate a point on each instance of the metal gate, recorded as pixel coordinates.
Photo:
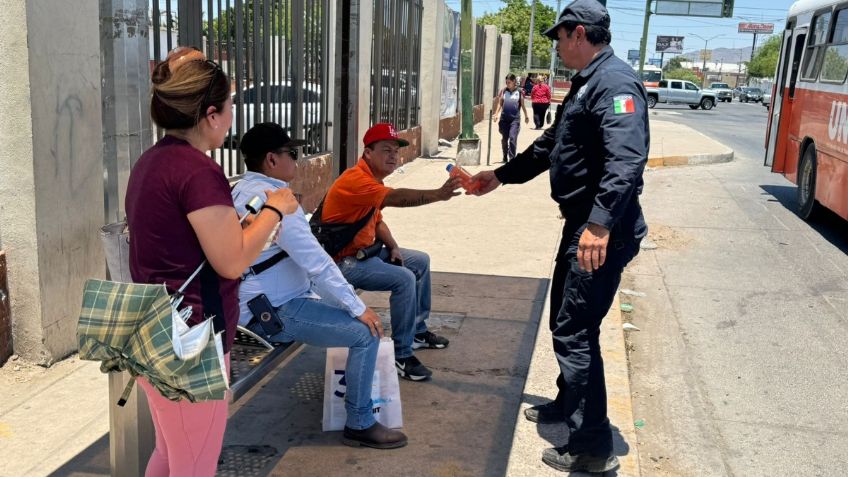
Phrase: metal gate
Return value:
(396, 62)
(276, 53)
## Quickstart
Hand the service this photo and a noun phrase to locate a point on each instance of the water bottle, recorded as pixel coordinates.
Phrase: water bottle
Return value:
(464, 177)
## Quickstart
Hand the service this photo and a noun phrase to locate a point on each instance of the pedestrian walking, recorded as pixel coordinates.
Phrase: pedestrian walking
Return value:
(508, 110)
(541, 99)
(595, 151)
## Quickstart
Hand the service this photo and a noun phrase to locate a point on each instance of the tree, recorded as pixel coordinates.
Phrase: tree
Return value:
(675, 63)
(681, 74)
(764, 63)
(514, 18)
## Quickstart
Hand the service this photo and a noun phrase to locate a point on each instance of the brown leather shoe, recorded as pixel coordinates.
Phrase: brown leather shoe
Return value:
(377, 436)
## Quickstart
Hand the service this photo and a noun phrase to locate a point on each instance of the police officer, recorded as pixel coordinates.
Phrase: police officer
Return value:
(596, 151)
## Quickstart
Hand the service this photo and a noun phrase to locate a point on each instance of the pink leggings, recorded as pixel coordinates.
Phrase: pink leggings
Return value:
(189, 435)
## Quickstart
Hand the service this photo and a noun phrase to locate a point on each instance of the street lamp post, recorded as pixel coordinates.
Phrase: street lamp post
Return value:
(704, 64)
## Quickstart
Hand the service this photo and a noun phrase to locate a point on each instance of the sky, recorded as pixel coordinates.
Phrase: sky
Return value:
(627, 17)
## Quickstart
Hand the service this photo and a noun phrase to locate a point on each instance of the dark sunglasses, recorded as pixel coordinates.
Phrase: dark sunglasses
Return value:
(203, 104)
(290, 152)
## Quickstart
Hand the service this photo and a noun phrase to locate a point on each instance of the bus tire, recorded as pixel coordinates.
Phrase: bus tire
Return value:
(707, 104)
(807, 171)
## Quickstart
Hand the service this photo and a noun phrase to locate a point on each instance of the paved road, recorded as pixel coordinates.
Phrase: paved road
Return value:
(740, 367)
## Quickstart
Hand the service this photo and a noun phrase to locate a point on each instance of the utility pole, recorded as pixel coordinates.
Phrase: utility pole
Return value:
(468, 151)
(554, 51)
(532, 28)
(643, 44)
(704, 64)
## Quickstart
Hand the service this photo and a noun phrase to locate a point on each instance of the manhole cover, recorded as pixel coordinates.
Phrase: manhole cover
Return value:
(245, 461)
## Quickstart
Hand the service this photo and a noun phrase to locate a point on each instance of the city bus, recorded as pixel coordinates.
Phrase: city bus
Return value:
(651, 75)
(807, 134)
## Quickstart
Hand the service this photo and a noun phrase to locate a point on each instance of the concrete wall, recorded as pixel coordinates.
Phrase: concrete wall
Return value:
(489, 68)
(432, 35)
(50, 213)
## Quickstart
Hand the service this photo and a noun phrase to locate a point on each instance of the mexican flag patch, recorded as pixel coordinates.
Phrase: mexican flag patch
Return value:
(624, 104)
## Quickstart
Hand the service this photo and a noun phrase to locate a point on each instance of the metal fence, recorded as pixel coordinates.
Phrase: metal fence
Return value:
(275, 52)
(395, 62)
(479, 61)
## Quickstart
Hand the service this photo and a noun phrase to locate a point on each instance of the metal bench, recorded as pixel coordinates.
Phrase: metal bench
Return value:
(131, 433)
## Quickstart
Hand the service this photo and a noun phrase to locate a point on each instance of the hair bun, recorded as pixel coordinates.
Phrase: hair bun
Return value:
(161, 73)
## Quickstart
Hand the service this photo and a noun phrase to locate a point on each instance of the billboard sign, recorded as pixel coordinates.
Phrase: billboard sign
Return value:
(695, 8)
(632, 55)
(767, 28)
(669, 44)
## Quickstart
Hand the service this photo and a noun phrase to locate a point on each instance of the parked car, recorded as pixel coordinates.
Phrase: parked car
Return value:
(751, 94)
(722, 91)
(737, 91)
(681, 92)
(280, 97)
(767, 100)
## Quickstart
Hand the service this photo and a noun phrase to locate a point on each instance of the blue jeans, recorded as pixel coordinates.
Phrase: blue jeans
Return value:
(410, 286)
(315, 323)
(509, 128)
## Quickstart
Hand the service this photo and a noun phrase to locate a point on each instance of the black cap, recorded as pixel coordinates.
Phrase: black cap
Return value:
(584, 12)
(266, 137)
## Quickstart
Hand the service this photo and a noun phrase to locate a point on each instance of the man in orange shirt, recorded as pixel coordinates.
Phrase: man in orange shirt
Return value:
(404, 272)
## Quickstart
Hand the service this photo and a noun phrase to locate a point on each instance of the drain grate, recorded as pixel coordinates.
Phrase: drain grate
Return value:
(245, 461)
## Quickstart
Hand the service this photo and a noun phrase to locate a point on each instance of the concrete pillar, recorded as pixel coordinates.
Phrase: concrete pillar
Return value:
(506, 48)
(432, 37)
(51, 192)
(489, 63)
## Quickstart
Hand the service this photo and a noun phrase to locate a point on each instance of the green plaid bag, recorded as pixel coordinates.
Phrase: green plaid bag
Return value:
(130, 327)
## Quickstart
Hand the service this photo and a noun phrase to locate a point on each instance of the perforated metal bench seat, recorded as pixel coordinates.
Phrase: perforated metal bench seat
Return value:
(252, 358)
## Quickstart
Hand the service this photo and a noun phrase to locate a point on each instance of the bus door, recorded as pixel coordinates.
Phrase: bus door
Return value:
(783, 97)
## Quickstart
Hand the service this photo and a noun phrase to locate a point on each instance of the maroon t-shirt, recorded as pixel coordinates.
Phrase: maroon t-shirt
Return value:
(170, 180)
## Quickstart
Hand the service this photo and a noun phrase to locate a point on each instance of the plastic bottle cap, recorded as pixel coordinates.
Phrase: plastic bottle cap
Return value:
(449, 167)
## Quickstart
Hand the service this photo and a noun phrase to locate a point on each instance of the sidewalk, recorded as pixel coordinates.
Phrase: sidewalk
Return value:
(492, 259)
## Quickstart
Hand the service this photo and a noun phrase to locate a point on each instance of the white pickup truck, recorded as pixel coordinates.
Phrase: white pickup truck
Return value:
(681, 92)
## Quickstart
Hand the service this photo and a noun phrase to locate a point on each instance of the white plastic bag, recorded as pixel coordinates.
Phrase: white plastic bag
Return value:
(385, 389)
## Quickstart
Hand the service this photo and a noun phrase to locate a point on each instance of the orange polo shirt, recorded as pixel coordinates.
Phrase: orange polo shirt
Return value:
(350, 198)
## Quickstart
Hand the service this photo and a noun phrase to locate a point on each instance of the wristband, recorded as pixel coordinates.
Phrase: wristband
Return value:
(271, 207)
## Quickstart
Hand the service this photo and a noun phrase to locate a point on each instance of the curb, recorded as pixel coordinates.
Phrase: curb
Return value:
(527, 444)
(690, 160)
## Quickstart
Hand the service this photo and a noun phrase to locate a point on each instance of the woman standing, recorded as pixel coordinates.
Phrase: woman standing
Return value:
(541, 99)
(510, 100)
(180, 212)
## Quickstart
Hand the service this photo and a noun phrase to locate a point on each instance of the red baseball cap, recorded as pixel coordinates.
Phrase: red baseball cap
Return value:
(383, 132)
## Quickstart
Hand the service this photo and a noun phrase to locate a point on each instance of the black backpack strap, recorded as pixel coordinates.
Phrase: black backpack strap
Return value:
(265, 264)
(334, 236)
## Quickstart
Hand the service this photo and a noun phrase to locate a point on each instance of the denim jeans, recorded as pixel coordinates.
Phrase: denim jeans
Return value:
(410, 287)
(315, 323)
(509, 128)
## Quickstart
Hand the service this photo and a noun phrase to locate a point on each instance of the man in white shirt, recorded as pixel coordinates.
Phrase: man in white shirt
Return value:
(285, 272)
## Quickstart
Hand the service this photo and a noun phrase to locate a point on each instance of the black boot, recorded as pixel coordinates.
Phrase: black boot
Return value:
(550, 413)
(560, 459)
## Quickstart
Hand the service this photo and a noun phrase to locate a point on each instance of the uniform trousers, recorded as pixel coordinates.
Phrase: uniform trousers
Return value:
(579, 302)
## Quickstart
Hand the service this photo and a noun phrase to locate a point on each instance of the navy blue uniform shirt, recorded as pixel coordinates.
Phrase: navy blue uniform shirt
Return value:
(596, 149)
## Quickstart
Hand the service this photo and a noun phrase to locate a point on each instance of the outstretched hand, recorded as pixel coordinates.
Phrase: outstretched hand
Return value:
(449, 188)
(487, 181)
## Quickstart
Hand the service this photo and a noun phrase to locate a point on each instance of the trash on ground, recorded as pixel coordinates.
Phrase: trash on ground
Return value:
(626, 307)
(639, 423)
(648, 244)
(629, 292)
(630, 327)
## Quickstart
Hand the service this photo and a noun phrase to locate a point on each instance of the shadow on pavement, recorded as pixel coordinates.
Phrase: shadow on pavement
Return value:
(461, 423)
(830, 226)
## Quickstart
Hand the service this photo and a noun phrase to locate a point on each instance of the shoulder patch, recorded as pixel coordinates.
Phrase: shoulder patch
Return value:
(623, 104)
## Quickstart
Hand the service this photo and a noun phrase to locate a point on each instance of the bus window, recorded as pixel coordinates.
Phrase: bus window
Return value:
(796, 63)
(815, 48)
(836, 53)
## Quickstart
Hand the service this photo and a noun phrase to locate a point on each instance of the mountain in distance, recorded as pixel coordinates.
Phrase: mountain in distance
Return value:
(721, 55)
